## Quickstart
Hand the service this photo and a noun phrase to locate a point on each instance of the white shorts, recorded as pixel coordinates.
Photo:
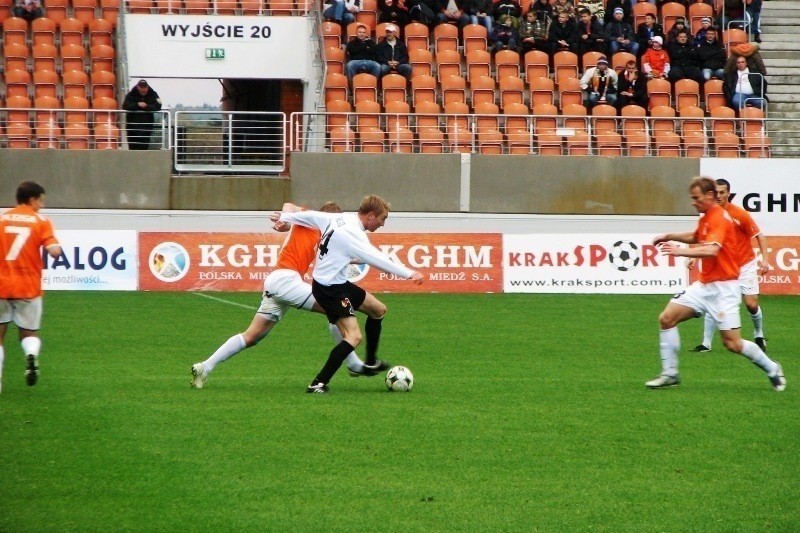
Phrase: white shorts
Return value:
(26, 314)
(718, 299)
(748, 277)
(284, 289)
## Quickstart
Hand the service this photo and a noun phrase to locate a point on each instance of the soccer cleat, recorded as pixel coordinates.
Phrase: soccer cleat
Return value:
(199, 376)
(663, 381)
(778, 381)
(762, 343)
(318, 388)
(31, 370)
(365, 371)
(378, 367)
(700, 348)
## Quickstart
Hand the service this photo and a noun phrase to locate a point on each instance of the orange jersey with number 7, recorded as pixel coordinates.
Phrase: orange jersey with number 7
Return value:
(23, 233)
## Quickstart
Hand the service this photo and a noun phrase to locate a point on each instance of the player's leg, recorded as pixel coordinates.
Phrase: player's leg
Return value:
(3, 329)
(28, 318)
(748, 280)
(375, 311)
(709, 328)
(682, 307)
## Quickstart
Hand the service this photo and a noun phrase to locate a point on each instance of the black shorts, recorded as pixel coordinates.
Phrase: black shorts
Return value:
(339, 300)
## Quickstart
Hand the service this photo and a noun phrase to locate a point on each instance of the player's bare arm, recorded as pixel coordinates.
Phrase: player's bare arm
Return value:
(765, 265)
(685, 237)
(54, 250)
(705, 250)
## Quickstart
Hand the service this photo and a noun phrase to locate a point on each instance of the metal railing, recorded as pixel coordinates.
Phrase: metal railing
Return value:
(218, 7)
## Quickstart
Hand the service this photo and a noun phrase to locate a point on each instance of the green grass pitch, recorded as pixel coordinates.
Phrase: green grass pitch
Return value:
(529, 413)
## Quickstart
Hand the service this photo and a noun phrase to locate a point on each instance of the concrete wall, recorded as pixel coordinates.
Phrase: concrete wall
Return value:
(230, 193)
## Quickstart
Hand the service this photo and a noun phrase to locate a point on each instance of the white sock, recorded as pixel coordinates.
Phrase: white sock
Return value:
(758, 323)
(758, 357)
(31, 346)
(230, 348)
(709, 327)
(669, 342)
(352, 360)
(2, 359)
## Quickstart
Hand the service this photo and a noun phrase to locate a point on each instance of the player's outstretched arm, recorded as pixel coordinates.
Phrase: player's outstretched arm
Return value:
(762, 246)
(685, 237)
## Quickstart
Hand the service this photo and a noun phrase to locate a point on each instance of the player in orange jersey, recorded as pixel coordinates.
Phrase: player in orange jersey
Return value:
(284, 288)
(23, 233)
(716, 292)
(746, 229)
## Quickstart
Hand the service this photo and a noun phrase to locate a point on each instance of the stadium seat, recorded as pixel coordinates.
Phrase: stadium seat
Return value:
(667, 144)
(662, 119)
(393, 88)
(109, 10)
(445, 37)
(46, 109)
(44, 57)
(687, 93)
(518, 130)
(104, 110)
(48, 133)
(17, 84)
(431, 141)
(620, 60)
(448, 63)
(416, 36)
(635, 130)
(545, 124)
(565, 65)
(754, 132)
(334, 59)
(604, 125)
(723, 120)
(726, 145)
(421, 62)
(380, 30)
(454, 89)
(103, 84)
(72, 58)
(254, 7)
(16, 56)
(431, 138)
(342, 139)
(400, 140)
(642, 9)
(19, 135)
(102, 57)
(542, 91)
(537, 65)
(45, 83)
(84, 10)
(331, 34)
(365, 87)
(100, 32)
(696, 13)
(225, 7)
(335, 87)
(671, 11)
(479, 63)
(506, 64)
(423, 89)
(457, 131)
(76, 110)
(56, 10)
(140, 6)
(15, 31)
(569, 92)
(487, 127)
(43, 31)
(74, 83)
(714, 95)
(660, 93)
(338, 113)
(482, 90)
(368, 115)
(397, 115)
(475, 36)
(17, 112)
(70, 32)
(106, 136)
(589, 59)
(76, 136)
(512, 91)
(693, 131)
(368, 15)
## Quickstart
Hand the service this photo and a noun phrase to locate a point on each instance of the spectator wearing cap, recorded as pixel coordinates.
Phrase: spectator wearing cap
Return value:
(700, 36)
(361, 54)
(612, 6)
(619, 34)
(590, 33)
(712, 56)
(393, 54)
(599, 84)
(647, 30)
(394, 11)
(141, 103)
(680, 25)
(342, 11)
(655, 61)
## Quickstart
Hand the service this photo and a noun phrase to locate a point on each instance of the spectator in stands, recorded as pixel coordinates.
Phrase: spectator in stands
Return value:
(733, 15)
(423, 11)
(452, 12)
(596, 9)
(655, 61)
(712, 56)
(141, 103)
(533, 33)
(700, 36)
(510, 8)
(611, 9)
(480, 12)
(361, 54)
(600, 84)
(680, 25)
(504, 35)
(647, 30)
(393, 54)
(745, 88)
(563, 34)
(750, 52)
(544, 11)
(27, 9)
(565, 6)
(632, 87)
(753, 16)
(590, 33)
(620, 35)
(342, 11)
(394, 11)
(683, 60)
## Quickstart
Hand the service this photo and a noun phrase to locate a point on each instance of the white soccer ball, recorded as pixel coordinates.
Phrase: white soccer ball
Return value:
(399, 379)
(624, 255)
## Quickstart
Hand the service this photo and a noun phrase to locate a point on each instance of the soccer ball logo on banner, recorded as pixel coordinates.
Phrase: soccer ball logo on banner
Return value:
(624, 255)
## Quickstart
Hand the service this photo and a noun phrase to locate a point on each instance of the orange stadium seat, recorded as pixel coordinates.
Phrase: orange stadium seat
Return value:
(225, 7)
(458, 132)
(106, 136)
(339, 113)
(518, 130)
(754, 132)
(84, 10)
(693, 131)
(44, 57)
(70, 32)
(76, 136)
(17, 83)
(542, 91)
(43, 31)
(368, 115)
(445, 37)
(380, 30)
(103, 84)
(335, 87)
(662, 119)
(104, 110)
(565, 65)
(506, 64)
(569, 92)
(400, 136)
(660, 93)
(640, 10)
(421, 62)
(56, 10)
(15, 31)
(589, 59)
(17, 112)
(334, 59)
(140, 6)
(372, 140)
(74, 83)
(448, 63)
(714, 95)
(393, 88)
(454, 89)
(482, 90)
(726, 145)
(48, 133)
(368, 14)
(670, 11)
(109, 10)
(635, 130)
(687, 93)
(620, 60)
(400, 118)
(697, 12)
(604, 119)
(342, 140)
(102, 57)
(365, 87)
(46, 109)
(5, 12)
(479, 63)
(431, 138)
(100, 32)
(16, 56)
(423, 89)
(475, 37)
(512, 92)
(544, 127)
(537, 65)
(487, 126)
(667, 144)
(285, 8)
(72, 58)
(45, 83)
(252, 7)
(331, 34)
(416, 36)
(579, 142)
(77, 110)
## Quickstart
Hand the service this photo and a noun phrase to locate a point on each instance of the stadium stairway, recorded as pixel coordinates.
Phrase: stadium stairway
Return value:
(780, 50)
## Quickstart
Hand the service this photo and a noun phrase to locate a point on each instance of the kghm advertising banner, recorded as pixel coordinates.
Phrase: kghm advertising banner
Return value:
(93, 261)
(589, 263)
(457, 262)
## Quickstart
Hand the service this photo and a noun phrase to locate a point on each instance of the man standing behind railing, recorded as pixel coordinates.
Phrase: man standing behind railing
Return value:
(141, 103)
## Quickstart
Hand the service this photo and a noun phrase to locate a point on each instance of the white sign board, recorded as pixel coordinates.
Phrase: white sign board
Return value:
(768, 188)
(93, 261)
(181, 46)
(589, 263)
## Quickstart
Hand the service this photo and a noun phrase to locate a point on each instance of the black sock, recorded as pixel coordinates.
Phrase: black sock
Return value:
(335, 360)
(373, 330)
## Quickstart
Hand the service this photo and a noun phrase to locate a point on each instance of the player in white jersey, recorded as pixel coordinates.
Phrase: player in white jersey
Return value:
(343, 241)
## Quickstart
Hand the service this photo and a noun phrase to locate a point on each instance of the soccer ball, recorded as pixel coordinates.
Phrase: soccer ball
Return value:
(624, 255)
(399, 379)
